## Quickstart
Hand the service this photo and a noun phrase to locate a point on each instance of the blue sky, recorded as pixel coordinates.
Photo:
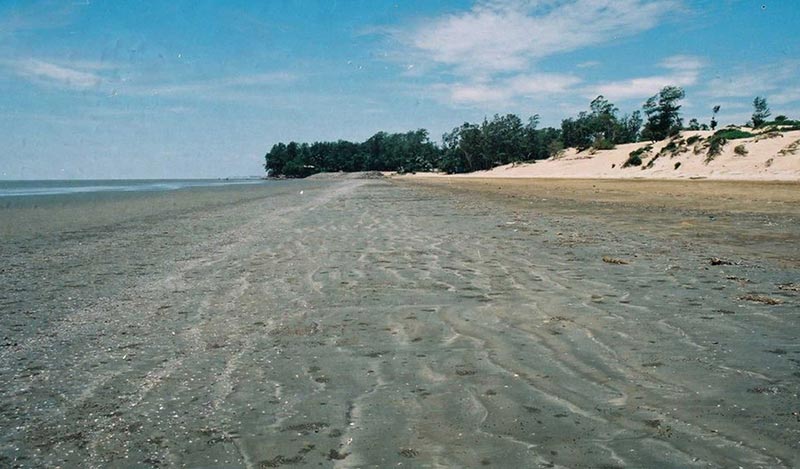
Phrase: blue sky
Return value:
(154, 89)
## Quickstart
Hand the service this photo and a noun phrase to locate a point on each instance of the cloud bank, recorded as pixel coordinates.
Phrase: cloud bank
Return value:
(493, 48)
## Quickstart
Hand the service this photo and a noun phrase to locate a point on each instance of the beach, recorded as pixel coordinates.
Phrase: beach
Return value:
(422, 322)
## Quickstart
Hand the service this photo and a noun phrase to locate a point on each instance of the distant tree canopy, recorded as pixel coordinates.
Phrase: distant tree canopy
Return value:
(601, 127)
(410, 151)
(662, 112)
(469, 147)
(503, 139)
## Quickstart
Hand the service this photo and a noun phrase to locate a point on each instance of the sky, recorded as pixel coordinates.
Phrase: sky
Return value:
(94, 89)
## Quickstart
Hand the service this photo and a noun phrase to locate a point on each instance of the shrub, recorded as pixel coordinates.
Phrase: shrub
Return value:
(782, 123)
(555, 148)
(674, 147)
(790, 149)
(715, 146)
(767, 135)
(635, 157)
(670, 147)
(652, 162)
(720, 138)
(693, 139)
(731, 133)
(740, 150)
(603, 144)
(633, 160)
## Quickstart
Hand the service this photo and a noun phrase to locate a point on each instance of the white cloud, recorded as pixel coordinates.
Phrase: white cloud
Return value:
(642, 87)
(791, 95)
(777, 81)
(589, 64)
(506, 36)
(501, 92)
(493, 48)
(472, 94)
(683, 62)
(542, 83)
(683, 70)
(53, 74)
(104, 77)
(207, 88)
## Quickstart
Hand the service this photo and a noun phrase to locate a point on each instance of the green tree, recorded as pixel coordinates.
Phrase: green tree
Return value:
(577, 132)
(663, 114)
(760, 111)
(603, 122)
(463, 149)
(503, 139)
(531, 138)
(276, 159)
(630, 128)
(601, 127)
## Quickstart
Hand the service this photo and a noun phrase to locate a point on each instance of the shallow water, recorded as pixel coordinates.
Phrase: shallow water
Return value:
(369, 323)
(28, 188)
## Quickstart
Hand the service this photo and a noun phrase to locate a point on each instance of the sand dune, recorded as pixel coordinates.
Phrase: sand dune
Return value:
(766, 159)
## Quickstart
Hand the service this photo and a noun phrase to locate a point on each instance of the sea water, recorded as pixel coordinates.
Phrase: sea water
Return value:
(58, 187)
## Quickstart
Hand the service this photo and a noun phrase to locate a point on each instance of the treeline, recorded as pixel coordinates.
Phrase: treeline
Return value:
(407, 152)
(501, 140)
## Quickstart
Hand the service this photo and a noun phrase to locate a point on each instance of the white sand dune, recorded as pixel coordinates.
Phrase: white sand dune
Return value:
(767, 159)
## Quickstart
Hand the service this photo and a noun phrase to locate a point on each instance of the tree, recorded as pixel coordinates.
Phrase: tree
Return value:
(297, 164)
(531, 140)
(276, 159)
(595, 128)
(603, 122)
(577, 132)
(463, 149)
(601, 127)
(663, 114)
(630, 128)
(694, 124)
(760, 111)
(714, 112)
(504, 139)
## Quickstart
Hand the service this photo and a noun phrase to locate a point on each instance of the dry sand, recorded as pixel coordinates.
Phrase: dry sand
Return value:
(773, 157)
(369, 323)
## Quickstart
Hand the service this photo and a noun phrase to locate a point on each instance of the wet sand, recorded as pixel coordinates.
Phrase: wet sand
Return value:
(374, 323)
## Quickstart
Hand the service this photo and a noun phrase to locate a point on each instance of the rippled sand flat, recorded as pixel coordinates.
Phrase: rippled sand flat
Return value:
(372, 323)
